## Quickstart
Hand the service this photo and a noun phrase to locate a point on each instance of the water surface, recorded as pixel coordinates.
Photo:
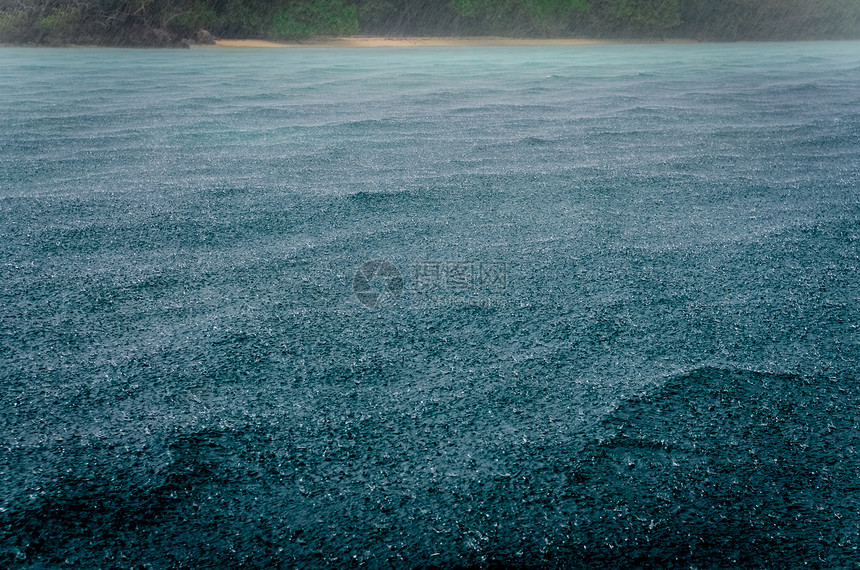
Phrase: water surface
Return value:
(662, 368)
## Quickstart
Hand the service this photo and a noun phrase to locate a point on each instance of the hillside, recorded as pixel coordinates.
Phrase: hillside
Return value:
(180, 22)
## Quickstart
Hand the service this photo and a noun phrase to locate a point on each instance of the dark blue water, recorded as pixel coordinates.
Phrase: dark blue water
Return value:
(616, 322)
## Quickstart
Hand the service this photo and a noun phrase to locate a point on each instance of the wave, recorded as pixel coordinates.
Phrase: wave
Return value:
(733, 457)
(388, 197)
(174, 503)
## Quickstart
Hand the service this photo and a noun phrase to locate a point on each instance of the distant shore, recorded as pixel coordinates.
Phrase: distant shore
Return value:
(393, 41)
(408, 23)
(380, 41)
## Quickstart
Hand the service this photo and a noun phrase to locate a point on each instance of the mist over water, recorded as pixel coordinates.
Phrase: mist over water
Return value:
(626, 330)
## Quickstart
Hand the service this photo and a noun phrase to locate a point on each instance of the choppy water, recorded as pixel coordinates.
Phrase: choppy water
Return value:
(620, 325)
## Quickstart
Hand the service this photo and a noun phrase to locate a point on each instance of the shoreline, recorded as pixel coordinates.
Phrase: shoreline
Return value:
(411, 41)
(424, 41)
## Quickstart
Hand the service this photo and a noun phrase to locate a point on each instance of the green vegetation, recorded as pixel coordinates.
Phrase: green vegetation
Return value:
(521, 17)
(174, 22)
(646, 15)
(168, 23)
(307, 19)
(11, 21)
(733, 20)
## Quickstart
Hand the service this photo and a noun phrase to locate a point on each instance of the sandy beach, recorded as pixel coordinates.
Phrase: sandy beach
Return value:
(375, 42)
(399, 42)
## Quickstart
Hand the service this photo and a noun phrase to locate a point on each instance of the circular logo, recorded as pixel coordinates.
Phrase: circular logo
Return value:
(377, 284)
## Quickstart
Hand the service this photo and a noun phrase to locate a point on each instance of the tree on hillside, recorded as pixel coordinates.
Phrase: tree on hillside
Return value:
(522, 17)
(640, 17)
(771, 19)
